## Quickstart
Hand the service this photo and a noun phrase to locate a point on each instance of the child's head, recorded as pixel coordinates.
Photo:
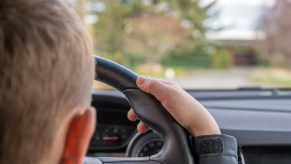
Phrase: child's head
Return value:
(46, 71)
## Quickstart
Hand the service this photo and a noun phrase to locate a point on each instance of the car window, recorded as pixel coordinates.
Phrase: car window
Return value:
(200, 44)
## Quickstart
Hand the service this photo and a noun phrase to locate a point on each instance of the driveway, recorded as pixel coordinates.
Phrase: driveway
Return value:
(223, 79)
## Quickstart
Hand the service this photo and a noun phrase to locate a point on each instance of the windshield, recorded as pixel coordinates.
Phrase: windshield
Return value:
(200, 44)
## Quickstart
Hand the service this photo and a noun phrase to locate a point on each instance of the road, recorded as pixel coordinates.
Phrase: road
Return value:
(224, 79)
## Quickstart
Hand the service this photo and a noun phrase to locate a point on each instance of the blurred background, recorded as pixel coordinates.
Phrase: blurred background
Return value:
(200, 44)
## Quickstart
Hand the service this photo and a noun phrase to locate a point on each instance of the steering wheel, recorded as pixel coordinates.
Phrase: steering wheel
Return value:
(176, 148)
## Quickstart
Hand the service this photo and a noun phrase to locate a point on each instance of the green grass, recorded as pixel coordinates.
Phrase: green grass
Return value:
(274, 76)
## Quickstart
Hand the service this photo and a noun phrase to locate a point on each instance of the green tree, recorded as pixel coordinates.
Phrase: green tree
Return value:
(195, 13)
(114, 35)
(109, 29)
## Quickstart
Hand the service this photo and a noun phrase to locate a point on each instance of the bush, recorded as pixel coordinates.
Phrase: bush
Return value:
(193, 61)
(223, 59)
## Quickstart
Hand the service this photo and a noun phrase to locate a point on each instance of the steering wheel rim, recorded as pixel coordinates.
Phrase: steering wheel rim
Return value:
(176, 147)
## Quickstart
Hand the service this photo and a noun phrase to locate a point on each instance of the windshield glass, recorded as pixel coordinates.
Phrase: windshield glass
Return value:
(200, 44)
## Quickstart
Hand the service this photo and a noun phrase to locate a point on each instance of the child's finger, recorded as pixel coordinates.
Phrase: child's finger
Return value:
(155, 87)
(131, 115)
(142, 128)
(167, 82)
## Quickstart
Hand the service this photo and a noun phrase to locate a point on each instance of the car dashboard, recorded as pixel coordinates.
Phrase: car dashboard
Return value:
(259, 119)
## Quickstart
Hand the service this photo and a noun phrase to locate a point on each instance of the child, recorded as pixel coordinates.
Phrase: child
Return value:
(47, 71)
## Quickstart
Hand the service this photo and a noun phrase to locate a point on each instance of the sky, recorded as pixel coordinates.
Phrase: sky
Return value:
(238, 17)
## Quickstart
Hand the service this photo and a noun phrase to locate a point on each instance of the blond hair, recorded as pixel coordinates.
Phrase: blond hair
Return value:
(46, 69)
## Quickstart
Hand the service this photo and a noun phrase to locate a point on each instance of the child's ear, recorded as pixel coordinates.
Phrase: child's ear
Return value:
(79, 133)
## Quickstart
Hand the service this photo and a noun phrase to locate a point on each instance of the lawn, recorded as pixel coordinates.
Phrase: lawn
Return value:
(274, 76)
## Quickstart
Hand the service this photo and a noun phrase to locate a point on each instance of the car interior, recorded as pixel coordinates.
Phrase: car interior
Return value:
(230, 55)
(258, 119)
(233, 56)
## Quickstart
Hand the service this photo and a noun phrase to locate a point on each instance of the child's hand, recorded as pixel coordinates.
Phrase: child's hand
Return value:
(183, 107)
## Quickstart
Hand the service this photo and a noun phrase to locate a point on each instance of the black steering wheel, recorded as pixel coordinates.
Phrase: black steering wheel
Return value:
(176, 148)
